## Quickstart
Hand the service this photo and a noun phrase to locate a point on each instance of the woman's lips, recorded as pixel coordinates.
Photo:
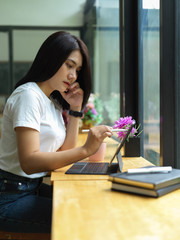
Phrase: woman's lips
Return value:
(67, 83)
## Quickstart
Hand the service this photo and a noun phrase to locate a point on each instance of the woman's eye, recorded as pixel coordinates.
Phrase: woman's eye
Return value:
(68, 65)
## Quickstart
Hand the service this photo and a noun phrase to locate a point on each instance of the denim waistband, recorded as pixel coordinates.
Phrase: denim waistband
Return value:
(11, 182)
(11, 176)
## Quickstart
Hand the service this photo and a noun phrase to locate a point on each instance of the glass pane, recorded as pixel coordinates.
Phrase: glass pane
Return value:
(4, 72)
(106, 58)
(26, 43)
(101, 35)
(151, 80)
(4, 63)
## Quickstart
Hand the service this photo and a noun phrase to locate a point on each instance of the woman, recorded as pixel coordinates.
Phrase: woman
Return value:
(34, 137)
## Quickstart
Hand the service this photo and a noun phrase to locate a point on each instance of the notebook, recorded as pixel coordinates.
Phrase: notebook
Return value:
(144, 191)
(153, 181)
(101, 168)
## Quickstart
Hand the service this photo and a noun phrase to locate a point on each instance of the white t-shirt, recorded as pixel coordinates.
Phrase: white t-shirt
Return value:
(29, 107)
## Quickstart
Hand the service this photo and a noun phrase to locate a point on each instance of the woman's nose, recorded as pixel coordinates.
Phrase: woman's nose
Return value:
(72, 75)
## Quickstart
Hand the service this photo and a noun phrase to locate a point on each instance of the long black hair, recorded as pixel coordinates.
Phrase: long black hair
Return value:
(50, 57)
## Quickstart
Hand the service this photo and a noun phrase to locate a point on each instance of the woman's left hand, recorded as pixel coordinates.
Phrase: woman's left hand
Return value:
(74, 96)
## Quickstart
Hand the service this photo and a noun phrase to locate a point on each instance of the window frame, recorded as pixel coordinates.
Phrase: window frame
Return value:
(169, 83)
(132, 79)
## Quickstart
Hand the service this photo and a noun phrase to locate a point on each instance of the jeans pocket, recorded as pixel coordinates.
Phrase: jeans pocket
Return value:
(19, 186)
(10, 186)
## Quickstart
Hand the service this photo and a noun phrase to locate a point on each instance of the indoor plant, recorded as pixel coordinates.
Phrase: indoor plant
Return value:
(92, 112)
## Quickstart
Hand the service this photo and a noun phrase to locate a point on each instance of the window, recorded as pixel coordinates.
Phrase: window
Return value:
(102, 38)
(150, 67)
(4, 63)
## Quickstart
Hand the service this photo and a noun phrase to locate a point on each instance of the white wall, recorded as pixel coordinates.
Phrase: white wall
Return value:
(42, 12)
(68, 13)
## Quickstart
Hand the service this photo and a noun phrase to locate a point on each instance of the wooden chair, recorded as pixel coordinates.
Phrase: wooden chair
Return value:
(24, 236)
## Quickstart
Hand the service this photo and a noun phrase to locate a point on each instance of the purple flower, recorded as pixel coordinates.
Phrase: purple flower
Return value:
(125, 123)
(93, 110)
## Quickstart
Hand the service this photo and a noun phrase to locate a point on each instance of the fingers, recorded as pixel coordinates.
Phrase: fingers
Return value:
(108, 132)
(74, 95)
(75, 91)
(74, 88)
(101, 132)
(96, 136)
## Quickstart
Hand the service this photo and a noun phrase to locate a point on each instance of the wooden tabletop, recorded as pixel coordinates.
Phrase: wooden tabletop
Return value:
(85, 208)
(90, 210)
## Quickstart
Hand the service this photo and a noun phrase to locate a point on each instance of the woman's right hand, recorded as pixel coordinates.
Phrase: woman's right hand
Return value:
(95, 137)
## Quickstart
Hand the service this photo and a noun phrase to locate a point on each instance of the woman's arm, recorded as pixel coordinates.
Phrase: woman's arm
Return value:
(72, 131)
(74, 97)
(33, 161)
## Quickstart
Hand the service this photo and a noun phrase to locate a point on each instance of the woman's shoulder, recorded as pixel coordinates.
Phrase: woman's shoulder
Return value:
(27, 87)
(29, 91)
(27, 94)
(26, 97)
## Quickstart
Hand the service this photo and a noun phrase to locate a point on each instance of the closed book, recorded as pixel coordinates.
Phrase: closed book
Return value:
(144, 191)
(147, 180)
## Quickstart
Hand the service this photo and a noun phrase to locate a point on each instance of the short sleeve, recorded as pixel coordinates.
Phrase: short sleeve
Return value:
(27, 109)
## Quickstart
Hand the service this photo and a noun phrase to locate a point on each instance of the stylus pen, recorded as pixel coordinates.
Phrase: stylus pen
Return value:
(113, 130)
(150, 170)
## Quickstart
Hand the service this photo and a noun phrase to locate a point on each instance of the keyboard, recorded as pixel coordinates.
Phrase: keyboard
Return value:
(99, 168)
(95, 167)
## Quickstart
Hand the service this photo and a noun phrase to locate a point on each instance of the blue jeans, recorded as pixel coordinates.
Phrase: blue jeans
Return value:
(25, 204)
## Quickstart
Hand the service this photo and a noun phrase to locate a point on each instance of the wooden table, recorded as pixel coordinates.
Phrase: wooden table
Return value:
(85, 208)
(89, 210)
